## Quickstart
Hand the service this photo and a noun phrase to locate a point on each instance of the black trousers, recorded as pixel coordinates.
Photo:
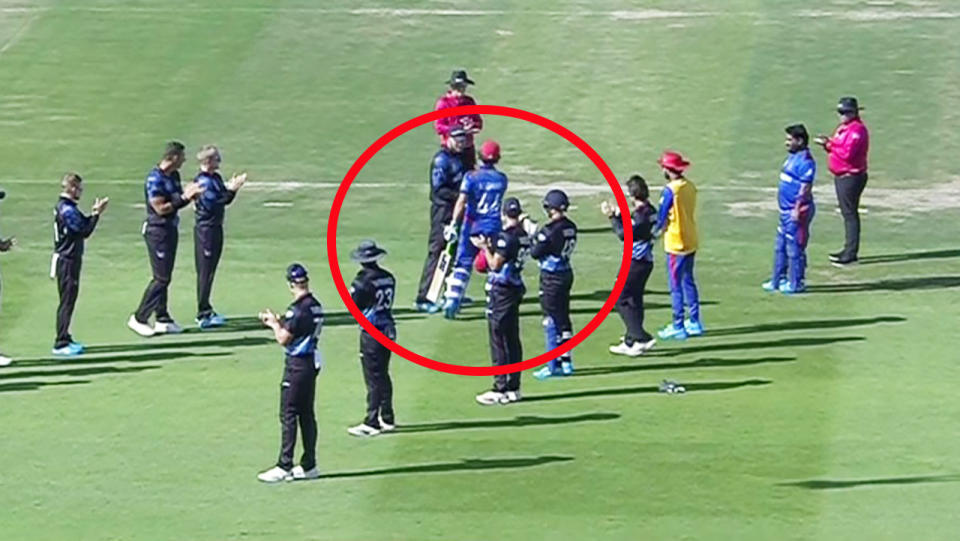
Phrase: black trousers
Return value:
(503, 319)
(468, 156)
(440, 215)
(555, 303)
(162, 249)
(68, 284)
(208, 247)
(296, 407)
(375, 360)
(849, 189)
(630, 303)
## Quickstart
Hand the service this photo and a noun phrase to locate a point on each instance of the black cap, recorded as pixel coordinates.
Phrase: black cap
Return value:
(459, 77)
(556, 199)
(848, 104)
(297, 274)
(511, 207)
(367, 252)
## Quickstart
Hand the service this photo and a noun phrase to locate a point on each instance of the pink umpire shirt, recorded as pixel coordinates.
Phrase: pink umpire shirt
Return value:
(444, 125)
(848, 149)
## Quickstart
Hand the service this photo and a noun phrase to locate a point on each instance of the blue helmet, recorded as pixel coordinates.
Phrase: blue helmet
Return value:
(556, 199)
(297, 274)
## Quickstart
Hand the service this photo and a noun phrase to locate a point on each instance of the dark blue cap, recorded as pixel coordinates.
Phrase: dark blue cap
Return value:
(367, 252)
(511, 207)
(297, 274)
(556, 199)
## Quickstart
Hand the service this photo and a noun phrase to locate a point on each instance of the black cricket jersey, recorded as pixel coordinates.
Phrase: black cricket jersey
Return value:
(373, 290)
(304, 320)
(554, 244)
(513, 244)
(167, 186)
(643, 219)
(446, 174)
(71, 228)
(211, 204)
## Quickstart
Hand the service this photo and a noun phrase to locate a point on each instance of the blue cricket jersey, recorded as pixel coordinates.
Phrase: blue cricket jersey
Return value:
(484, 187)
(513, 245)
(160, 184)
(446, 174)
(798, 169)
(212, 202)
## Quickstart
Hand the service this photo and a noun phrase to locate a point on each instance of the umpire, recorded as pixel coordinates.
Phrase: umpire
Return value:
(165, 197)
(298, 331)
(504, 257)
(373, 291)
(208, 229)
(71, 229)
(446, 173)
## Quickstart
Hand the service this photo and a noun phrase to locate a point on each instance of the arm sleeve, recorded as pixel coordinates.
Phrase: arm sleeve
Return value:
(228, 196)
(443, 125)
(541, 244)
(666, 203)
(79, 224)
(617, 224)
(155, 187)
(807, 172)
(643, 231)
(477, 119)
(467, 185)
(438, 172)
(361, 294)
(290, 320)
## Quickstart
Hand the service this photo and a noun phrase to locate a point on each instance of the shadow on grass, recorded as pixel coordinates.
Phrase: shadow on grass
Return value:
(469, 464)
(75, 372)
(153, 344)
(125, 357)
(330, 319)
(804, 325)
(738, 346)
(648, 389)
(909, 256)
(473, 316)
(517, 422)
(602, 294)
(892, 284)
(639, 366)
(20, 386)
(833, 484)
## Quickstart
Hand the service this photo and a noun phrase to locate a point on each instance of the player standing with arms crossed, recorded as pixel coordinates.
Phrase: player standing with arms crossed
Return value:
(456, 96)
(478, 208)
(678, 222)
(504, 255)
(373, 291)
(636, 340)
(71, 229)
(552, 247)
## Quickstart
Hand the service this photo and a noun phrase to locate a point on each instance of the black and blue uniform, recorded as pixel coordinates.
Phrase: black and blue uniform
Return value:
(373, 291)
(630, 303)
(446, 173)
(304, 320)
(505, 291)
(71, 229)
(553, 247)
(208, 235)
(161, 235)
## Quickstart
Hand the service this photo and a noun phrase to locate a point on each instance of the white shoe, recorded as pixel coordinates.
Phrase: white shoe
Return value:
(142, 329)
(630, 351)
(275, 474)
(490, 398)
(299, 474)
(167, 327)
(647, 346)
(4, 360)
(510, 397)
(363, 430)
(387, 427)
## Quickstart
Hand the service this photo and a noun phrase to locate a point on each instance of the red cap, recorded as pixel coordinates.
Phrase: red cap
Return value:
(673, 161)
(490, 151)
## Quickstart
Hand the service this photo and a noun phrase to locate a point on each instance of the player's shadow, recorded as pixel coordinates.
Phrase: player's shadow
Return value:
(737, 346)
(521, 421)
(602, 294)
(804, 325)
(468, 464)
(535, 313)
(119, 357)
(20, 386)
(595, 230)
(330, 319)
(76, 372)
(890, 284)
(647, 389)
(833, 484)
(154, 345)
(909, 256)
(699, 363)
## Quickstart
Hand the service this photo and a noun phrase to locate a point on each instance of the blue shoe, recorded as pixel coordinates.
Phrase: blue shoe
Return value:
(427, 307)
(788, 289)
(566, 368)
(693, 328)
(217, 320)
(545, 372)
(450, 309)
(672, 332)
(204, 322)
(770, 287)
(69, 350)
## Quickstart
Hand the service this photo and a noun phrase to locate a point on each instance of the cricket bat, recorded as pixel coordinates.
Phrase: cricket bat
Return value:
(440, 273)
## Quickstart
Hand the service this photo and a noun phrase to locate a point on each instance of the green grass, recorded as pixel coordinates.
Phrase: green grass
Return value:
(829, 416)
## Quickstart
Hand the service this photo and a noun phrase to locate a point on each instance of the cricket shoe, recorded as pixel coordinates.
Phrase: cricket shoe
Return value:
(211, 321)
(450, 308)
(787, 289)
(427, 307)
(363, 430)
(844, 261)
(490, 398)
(693, 327)
(167, 327)
(510, 397)
(275, 474)
(770, 286)
(672, 332)
(566, 368)
(143, 329)
(835, 256)
(300, 474)
(545, 372)
(4, 360)
(634, 350)
(387, 427)
(70, 350)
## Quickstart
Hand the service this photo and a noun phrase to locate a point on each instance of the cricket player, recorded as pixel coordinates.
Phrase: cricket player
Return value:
(164, 197)
(210, 207)
(5, 246)
(553, 246)
(71, 229)
(478, 208)
(456, 96)
(446, 174)
(677, 222)
(298, 331)
(795, 199)
(636, 340)
(504, 254)
(373, 290)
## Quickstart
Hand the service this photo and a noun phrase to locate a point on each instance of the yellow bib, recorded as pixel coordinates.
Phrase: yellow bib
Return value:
(681, 234)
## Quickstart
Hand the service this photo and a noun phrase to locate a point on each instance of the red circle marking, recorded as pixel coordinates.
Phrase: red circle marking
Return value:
(485, 110)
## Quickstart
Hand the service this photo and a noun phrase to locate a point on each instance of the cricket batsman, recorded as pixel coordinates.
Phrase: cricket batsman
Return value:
(478, 209)
(795, 199)
(677, 221)
(457, 96)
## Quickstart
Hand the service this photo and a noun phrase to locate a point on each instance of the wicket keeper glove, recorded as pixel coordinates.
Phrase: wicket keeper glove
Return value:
(529, 226)
(450, 232)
